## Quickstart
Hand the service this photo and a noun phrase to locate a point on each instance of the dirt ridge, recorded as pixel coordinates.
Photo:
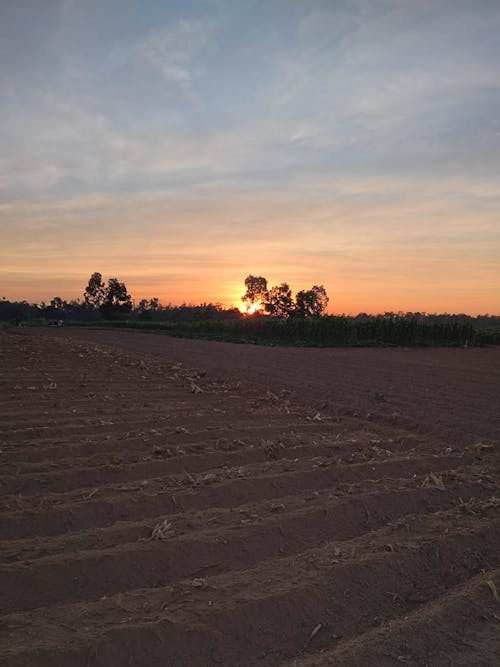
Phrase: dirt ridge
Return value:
(160, 506)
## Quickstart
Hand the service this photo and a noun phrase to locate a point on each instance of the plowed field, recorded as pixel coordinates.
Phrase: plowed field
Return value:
(182, 503)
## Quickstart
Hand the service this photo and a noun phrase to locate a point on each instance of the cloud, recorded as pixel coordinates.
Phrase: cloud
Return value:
(40, 178)
(175, 51)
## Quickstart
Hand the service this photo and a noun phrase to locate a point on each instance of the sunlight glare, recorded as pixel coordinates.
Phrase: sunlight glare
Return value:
(250, 308)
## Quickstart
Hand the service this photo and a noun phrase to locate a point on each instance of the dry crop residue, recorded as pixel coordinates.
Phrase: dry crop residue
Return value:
(160, 513)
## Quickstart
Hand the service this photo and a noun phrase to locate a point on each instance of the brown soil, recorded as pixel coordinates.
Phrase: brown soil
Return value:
(185, 503)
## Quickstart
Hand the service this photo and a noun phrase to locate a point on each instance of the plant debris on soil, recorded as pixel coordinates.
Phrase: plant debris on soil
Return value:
(197, 504)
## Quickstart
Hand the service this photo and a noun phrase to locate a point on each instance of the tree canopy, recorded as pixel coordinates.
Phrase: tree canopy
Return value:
(311, 303)
(112, 300)
(278, 301)
(95, 291)
(256, 290)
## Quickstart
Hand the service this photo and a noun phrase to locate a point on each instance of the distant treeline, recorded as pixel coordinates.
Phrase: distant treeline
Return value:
(79, 311)
(209, 320)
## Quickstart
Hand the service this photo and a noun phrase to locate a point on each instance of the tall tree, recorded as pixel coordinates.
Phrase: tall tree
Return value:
(95, 291)
(256, 290)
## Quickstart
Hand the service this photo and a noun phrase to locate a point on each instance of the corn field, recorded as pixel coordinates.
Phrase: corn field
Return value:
(322, 331)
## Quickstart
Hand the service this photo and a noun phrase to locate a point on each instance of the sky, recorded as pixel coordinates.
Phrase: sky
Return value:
(183, 145)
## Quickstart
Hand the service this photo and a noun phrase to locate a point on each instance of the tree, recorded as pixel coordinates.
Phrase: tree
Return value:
(279, 302)
(57, 303)
(256, 290)
(147, 308)
(95, 291)
(117, 301)
(311, 303)
(111, 300)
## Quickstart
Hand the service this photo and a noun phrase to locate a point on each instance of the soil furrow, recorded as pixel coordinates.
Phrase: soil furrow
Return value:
(248, 606)
(36, 447)
(151, 497)
(129, 453)
(68, 480)
(467, 612)
(378, 505)
(272, 439)
(91, 574)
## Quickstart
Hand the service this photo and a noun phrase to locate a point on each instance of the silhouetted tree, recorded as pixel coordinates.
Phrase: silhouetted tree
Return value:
(311, 303)
(117, 301)
(256, 290)
(57, 303)
(95, 291)
(147, 308)
(16, 311)
(279, 302)
(111, 300)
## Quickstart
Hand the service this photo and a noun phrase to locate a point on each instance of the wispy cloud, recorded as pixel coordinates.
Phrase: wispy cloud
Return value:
(175, 53)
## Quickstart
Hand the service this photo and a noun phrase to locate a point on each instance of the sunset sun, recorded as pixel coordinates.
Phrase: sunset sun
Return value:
(250, 308)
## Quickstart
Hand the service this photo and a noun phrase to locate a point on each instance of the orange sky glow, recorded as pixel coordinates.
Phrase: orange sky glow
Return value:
(201, 251)
(204, 255)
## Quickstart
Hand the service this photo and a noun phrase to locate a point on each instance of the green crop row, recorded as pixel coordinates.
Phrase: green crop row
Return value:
(323, 331)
